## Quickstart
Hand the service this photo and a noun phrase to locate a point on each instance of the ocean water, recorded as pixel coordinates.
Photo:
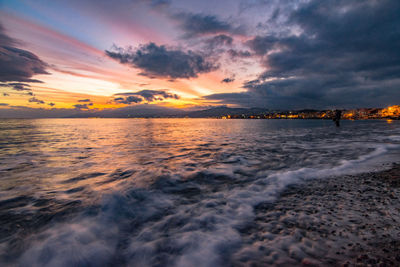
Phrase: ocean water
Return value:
(162, 192)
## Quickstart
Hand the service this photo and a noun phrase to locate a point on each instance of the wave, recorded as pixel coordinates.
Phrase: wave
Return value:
(394, 137)
(189, 222)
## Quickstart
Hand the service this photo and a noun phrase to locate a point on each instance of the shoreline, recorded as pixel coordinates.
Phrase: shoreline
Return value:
(350, 220)
(215, 118)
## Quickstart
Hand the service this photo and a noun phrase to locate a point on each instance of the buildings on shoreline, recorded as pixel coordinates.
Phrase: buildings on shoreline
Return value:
(392, 112)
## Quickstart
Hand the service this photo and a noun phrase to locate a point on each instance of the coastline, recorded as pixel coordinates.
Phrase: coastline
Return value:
(350, 220)
(213, 194)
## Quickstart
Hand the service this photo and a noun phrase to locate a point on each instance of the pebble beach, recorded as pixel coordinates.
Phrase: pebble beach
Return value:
(339, 221)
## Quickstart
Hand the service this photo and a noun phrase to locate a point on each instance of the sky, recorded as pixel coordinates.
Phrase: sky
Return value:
(72, 55)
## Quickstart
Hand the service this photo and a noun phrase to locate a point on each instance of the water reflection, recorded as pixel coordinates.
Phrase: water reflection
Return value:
(53, 170)
(37, 154)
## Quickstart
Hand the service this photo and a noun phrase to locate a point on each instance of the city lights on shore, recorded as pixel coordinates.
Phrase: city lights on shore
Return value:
(390, 113)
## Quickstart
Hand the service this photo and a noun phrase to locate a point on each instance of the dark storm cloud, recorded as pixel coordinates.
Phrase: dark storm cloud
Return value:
(344, 54)
(244, 99)
(299, 93)
(84, 100)
(35, 100)
(228, 80)
(231, 96)
(200, 24)
(338, 36)
(263, 44)
(249, 99)
(4, 104)
(163, 62)
(18, 65)
(144, 95)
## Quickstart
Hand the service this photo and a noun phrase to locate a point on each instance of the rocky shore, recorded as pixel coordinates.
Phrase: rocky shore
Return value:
(339, 221)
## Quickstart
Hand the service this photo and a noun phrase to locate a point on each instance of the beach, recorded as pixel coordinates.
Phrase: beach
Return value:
(351, 220)
(198, 192)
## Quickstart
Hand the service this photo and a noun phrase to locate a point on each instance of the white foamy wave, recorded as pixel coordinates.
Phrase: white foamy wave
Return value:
(394, 137)
(152, 227)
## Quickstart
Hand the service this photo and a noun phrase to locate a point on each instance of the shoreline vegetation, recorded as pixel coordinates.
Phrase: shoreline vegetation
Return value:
(350, 220)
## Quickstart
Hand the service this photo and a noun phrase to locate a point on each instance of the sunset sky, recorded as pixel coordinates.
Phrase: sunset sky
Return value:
(83, 55)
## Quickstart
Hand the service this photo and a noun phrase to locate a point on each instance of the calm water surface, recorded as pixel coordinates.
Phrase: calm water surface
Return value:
(161, 192)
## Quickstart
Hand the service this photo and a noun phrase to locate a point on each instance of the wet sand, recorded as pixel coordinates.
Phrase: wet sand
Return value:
(339, 221)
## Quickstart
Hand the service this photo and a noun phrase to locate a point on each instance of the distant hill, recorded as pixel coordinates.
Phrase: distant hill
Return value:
(138, 111)
(154, 111)
(223, 111)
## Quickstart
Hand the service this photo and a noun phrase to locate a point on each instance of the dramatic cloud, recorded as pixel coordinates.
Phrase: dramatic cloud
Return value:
(128, 100)
(162, 62)
(18, 65)
(151, 95)
(228, 80)
(84, 100)
(285, 53)
(5, 94)
(144, 95)
(263, 44)
(4, 104)
(51, 104)
(35, 100)
(344, 54)
(201, 24)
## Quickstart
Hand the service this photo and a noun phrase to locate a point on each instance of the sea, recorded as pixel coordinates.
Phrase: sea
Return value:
(163, 192)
